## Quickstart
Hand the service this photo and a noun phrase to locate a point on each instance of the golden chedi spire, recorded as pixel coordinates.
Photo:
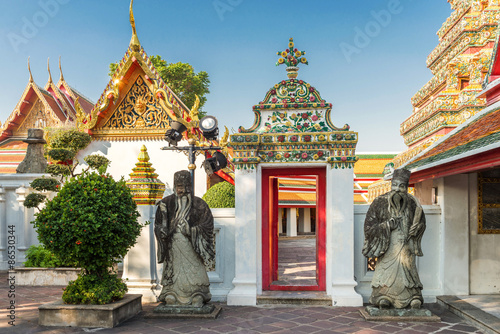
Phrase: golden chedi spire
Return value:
(144, 184)
(134, 42)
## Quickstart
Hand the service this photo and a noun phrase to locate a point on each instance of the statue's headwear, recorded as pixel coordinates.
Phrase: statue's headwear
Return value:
(182, 177)
(401, 174)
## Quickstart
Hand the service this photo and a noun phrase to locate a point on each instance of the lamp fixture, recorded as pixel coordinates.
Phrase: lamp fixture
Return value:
(217, 162)
(174, 134)
(209, 127)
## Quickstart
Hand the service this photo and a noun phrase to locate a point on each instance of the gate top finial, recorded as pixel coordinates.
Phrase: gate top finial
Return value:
(292, 57)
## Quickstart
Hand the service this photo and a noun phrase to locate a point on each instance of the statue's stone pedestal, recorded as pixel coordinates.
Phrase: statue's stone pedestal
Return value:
(207, 311)
(373, 313)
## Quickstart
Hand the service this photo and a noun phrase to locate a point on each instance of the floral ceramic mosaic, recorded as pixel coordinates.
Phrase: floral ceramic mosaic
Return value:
(292, 125)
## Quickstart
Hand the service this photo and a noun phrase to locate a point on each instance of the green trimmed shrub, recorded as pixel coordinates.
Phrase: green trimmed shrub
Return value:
(90, 289)
(68, 138)
(39, 257)
(92, 220)
(221, 195)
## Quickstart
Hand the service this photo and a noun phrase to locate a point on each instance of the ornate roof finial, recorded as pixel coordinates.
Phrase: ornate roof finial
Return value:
(291, 57)
(134, 42)
(29, 70)
(61, 78)
(48, 69)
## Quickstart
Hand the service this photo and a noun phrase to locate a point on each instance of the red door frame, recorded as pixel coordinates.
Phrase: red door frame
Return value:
(270, 244)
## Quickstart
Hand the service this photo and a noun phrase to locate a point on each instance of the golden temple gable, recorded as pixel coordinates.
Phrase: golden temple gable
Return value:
(136, 103)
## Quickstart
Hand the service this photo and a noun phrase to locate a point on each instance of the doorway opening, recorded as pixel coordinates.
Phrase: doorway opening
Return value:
(293, 231)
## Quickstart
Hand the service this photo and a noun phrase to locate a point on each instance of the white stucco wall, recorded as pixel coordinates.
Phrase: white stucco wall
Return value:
(124, 154)
(453, 197)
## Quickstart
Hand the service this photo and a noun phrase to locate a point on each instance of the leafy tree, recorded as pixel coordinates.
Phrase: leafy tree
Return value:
(181, 78)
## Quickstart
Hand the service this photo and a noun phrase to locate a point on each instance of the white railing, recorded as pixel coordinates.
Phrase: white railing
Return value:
(15, 227)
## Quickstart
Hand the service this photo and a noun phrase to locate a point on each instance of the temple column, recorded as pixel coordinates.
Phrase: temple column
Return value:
(24, 226)
(306, 220)
(280, 221)
(247, 247)
(340, 238)
(291, 222)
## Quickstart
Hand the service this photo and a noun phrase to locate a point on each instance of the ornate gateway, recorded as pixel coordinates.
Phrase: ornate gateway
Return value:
(292, 124)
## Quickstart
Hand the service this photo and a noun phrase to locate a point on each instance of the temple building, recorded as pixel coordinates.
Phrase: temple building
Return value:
(136, 108)
(39, 107)
(459, 64)
(461, 173)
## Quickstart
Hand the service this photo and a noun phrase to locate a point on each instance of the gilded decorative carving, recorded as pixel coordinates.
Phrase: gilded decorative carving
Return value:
(409, 154)
(36, 118)
(84, 121)
(139, 109)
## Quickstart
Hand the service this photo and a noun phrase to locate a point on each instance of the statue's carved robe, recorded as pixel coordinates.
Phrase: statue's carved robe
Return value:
(183, 254)
(396, 277)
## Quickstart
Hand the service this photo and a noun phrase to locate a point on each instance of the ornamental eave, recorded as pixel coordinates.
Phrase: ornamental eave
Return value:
(18, 111)
(486, 111)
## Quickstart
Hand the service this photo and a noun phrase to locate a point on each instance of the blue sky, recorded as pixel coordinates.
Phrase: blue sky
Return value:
(366, 57)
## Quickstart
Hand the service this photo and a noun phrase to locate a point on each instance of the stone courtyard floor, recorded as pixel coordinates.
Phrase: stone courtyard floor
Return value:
(233, 319)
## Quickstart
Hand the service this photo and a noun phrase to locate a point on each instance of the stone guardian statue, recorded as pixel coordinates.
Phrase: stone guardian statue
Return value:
(184, 232)
(394, 226)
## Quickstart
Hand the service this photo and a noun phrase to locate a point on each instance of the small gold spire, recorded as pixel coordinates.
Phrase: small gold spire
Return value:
(143, 156)
(29, 70)
(134, 42)
(48, 69)
(61, 78)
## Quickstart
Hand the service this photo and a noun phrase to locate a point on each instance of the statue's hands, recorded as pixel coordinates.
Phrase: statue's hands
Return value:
(184, 228)
(413, 230)
(394, 222)
(163, 232)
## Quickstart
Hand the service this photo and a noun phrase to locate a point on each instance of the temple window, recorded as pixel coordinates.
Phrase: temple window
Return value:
(489, 202)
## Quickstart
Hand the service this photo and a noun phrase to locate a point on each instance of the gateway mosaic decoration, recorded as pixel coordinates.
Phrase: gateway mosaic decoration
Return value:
(292, 124)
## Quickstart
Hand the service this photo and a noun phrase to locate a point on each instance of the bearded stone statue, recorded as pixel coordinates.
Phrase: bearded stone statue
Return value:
(184, 231)
(394, 227)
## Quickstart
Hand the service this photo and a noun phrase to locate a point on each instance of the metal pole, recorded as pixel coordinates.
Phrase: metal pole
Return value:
(192, 165)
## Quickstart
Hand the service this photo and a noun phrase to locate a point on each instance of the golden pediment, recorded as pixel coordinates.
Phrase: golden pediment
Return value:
(139, 114)
(37, 117)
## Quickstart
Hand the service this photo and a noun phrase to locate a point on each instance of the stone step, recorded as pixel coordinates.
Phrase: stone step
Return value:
(310, 298)
(470, 313)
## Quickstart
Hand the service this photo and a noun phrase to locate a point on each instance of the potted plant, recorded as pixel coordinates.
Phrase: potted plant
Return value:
(92, 221)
